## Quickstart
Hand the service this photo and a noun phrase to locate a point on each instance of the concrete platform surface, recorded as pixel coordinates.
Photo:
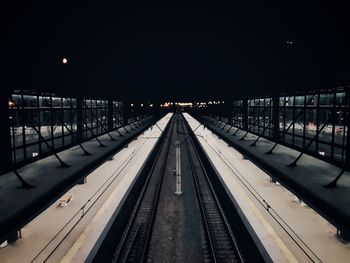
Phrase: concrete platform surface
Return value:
(57, 230)
(284, 219)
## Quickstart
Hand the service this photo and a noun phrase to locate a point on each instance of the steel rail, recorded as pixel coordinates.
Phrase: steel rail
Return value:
(119, 256)
(226, 225)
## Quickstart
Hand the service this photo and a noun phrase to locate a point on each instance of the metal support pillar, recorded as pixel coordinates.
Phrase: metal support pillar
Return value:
(236, 131)
(62, 163)
(75, 135)
(110, 122)
(275, 119)
(256, 120)
(346, 166)
(24, 184)
(5, 135)
(228, 131)
(83, 181)
(101, 123)
(218, 122)
(127, 112)
(12, 237)
(295, 117)
(110, 115)
(245, 115)
(230, 114)
(334, 110)
(95, 136)
(126, 130)
(79, 120)
(343, 235)
(347, 147)
(229, 111)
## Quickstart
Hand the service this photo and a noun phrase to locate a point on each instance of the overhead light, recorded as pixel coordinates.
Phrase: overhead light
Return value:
(11, 103)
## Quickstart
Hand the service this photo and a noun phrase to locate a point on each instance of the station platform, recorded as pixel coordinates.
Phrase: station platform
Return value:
(55, 234)
(306, 180)
(287, 229)
(19, 206)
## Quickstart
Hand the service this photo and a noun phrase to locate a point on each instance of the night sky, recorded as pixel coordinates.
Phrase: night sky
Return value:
(174, 52)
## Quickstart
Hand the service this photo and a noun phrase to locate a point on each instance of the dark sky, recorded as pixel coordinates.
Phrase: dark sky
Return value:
(181, 52)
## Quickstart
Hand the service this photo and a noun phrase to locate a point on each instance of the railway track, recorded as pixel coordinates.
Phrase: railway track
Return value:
(220, 232)
(135, 240)
(221, 243)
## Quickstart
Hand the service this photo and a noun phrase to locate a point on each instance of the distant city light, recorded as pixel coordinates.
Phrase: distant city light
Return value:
(184, 104)
(131, 105)
(166, 105)
(289, 42)
(64, 60)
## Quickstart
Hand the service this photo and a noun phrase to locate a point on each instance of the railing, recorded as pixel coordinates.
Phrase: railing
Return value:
(41, 125)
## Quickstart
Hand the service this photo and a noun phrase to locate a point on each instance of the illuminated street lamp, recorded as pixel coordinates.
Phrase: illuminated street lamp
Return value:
(11, 104)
